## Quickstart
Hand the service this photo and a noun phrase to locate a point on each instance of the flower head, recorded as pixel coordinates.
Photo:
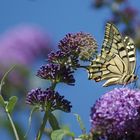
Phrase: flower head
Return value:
(117, 114)
(47, 99)
(81, 44)
(58, 57)
(22, 45)
(63, 58)
(56, 73)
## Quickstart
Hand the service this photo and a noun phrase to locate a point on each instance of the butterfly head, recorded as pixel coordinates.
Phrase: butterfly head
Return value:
(134, 77)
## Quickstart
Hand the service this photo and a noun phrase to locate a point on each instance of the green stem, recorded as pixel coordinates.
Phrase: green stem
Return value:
(13, 126)
(53, 85)
(53, 122)
(41, 130)
(5, 75)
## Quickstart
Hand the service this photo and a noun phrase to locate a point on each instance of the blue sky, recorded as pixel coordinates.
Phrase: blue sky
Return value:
(57, 18)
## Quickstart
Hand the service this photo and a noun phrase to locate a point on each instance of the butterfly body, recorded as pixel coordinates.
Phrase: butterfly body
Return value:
(117, 60)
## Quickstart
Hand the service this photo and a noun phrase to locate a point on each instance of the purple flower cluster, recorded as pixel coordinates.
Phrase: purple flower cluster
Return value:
(60, 68)
(72, 48)
(81, 44)
(56, 73)
(117, 114)
(22, 45)
(62, 62)
(58, 57)
(63, 58)
(47, 99)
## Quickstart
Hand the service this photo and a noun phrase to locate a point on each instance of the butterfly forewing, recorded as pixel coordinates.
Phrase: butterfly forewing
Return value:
(112, 38)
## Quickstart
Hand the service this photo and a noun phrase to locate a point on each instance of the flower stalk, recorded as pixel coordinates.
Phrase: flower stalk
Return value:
(59, 69)
(42, 127)
(13, 126)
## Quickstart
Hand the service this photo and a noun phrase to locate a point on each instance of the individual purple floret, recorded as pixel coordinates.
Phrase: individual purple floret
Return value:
(116, 114)
(56, 73)
(81, 44)
(48, 100)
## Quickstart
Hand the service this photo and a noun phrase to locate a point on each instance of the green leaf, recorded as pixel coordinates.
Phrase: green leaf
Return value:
(11, 104)
(59, 134)
(79, 120)
(2, 102)
(53, 122)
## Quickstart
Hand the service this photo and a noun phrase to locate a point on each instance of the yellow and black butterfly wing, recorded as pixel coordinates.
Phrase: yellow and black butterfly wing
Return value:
(130, 46)
(117, 60)
(112, 40)
(110, 69)
(114, 44)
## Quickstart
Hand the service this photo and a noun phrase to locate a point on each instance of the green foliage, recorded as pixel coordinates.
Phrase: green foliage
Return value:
(11, 104)
(2, 102)
(59, 134)
(79, 120)
(53, 121)
(7, 105)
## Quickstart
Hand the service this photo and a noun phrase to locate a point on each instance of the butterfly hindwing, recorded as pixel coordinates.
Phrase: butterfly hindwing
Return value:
(112, 69)
(130, 46)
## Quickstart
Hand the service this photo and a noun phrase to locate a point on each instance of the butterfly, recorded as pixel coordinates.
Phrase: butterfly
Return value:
(117, 60)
